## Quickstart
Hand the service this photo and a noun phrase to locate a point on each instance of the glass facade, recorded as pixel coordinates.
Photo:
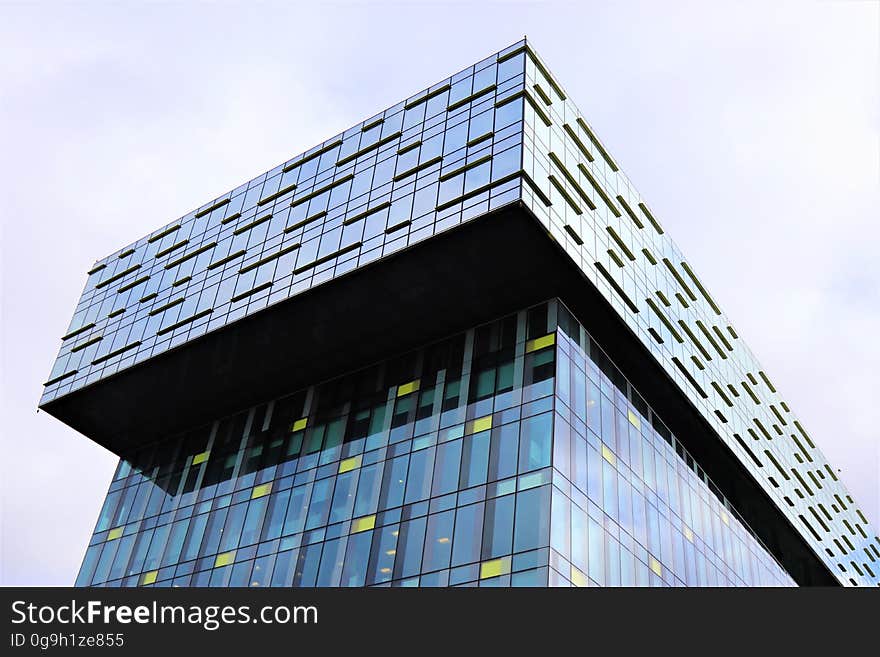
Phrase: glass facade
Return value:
(501, 133)
(448, 154)
(510, 454)
(589, 206)
(630, 505)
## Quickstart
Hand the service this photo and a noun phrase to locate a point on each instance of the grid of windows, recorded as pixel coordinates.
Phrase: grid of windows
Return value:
(433, 469)
(499, 132)
(589, 206)
(448, 154)
(630, 505)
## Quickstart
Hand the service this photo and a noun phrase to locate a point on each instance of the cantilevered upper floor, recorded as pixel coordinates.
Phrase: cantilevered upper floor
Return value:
(427, 164)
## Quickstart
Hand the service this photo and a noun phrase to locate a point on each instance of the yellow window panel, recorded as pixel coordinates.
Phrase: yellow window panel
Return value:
(261, 490)
(300, 424)
(578, 578)
(688, 534)
(634, 420)
(224, 559)
(149, 578)
(363, 524)
(349, 464)
(540, 343)
(495, 567)
(656, 567)
(407, 388)
(608, 455)
(201, 457)
(724, 518)
(480, 424)
(114, 533)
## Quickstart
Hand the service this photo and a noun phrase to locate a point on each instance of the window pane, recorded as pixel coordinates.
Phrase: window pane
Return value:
(394, 483)
(468, 534)
(530, 578)
(418, 485)
(88, 566)
(296, 510)
(175, 543)
(535, 440)
(106, 560)
(157, 545)
(411, 540)
(579, 538)
(560, 527)
(307, 565)
(319, 507)
(241, 574)
(609, 479)
(597, 551)
(262, 571)
(343, 496)
(438, 542)
(498, 527)
(253, 522)
(383, 555)
(446, 468)
(108, 511)
(332, 560)
(285, 562)
(594, 475)
(140, 552)
(532, 519)
(475, 459)
(368, 490)
(356, 559)
(505, 441)
(275, 515)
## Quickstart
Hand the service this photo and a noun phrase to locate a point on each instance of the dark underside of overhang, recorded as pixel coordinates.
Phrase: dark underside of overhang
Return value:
(490, 266)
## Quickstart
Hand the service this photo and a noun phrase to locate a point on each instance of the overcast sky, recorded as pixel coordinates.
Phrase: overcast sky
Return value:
(752, 130)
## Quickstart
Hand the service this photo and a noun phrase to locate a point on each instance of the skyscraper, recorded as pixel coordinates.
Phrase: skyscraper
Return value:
(451, 345)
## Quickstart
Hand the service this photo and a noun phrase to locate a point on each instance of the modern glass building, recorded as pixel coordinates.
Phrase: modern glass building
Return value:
(450, 346)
